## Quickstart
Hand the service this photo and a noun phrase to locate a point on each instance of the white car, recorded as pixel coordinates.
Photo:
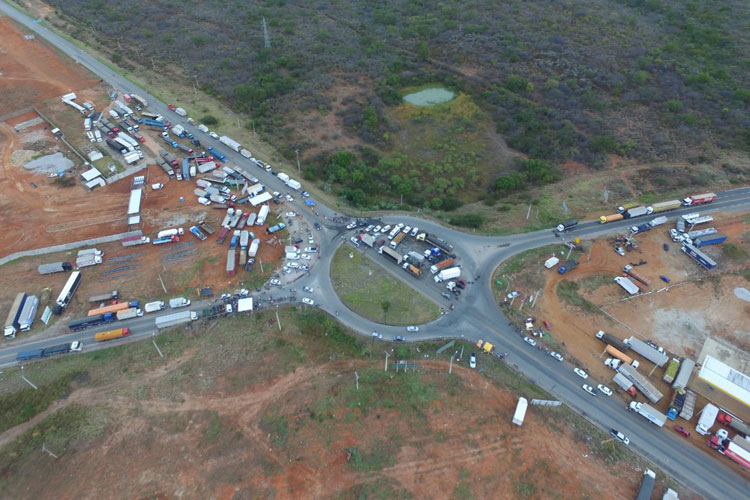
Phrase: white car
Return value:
(157, 186)
(529, 341)
(556, 355)
(377, 229)
(400, 225)
(370, 228)
(308, 301)
(76, 346)
(581, 373)
(293, 265)
(290, 214)
(377, 335)
(589, 389)
(306, 257)
(310, 239)
(304, 267)
(513, 294)
(204, 201)
(412, 328)
(473, 360)
(242, 292)
(351, 225)
(289, 198)
(276, 282)
(276, 194)
(311, 249)
(414, 231)
(604, 389)
(354, 241)
(214, 135)
(619, 436)
(385, 229)
(308, 289)
(407, 229)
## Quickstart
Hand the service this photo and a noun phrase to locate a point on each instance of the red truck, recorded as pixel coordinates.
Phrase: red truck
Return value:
(171, 107)
(699, 199)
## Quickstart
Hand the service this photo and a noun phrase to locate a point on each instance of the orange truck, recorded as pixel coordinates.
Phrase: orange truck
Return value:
(610, 218)
(619, 355)
(112, 334)
(113, 308)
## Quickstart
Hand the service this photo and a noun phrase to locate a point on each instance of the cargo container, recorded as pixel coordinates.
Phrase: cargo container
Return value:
(178, 302)
(231, 259)
(613, 341)
(90, 251)
(635, 274)
(689, 406)
(294, 184)
(434, 269)
(111, 334)
(140, 100)
(262, 215)
(245, 304)
(704, 219)
(671, 371)
(284, 178)
(637, 212)
(641, 383)
(701, 258)
(520, 413)
(699, 199)
(102, 297)
(11, 322)
(665, 205)
(613, 351)
(610, 218)
(709, 239)
(624, 383)
(130, 313)
(649, 413)
(55, 267)
(132, 241)
(648, 352)
(658, 221)
(175, 319)
(113, 308)
(701, 232)
(397, 258)
(91, 321)
(29, 354)
(230, 143)
(647, 485)
(447, 274)
(707, 419)
(628, 285)
(67, 292)
(684, 374)
(28, 313)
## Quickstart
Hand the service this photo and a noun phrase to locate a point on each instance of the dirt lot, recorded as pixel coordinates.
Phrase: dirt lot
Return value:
(679, 316)
(250, 412)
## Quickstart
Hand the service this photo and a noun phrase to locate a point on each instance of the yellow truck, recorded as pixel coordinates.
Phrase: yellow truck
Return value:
(619, 355)
(610, 218)
(112, 334)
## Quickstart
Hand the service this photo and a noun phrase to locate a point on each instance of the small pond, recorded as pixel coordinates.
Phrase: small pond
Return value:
(430, 96)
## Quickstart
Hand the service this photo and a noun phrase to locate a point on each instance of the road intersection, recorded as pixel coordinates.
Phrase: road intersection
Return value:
(475, 316)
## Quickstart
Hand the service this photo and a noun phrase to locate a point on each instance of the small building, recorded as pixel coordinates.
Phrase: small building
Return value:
(98, 182)
(94, 155)
(90, 175)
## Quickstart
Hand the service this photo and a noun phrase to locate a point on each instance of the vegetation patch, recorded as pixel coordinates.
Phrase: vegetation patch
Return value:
(367, 289)
(568, 291)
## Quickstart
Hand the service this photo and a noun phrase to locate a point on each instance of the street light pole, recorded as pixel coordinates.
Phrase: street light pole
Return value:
(298, 167)
(385, 369)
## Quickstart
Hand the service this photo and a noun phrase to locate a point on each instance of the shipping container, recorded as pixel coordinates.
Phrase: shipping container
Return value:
(112, 334)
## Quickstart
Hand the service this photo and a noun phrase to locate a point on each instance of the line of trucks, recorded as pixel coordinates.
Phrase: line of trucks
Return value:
(633, 210)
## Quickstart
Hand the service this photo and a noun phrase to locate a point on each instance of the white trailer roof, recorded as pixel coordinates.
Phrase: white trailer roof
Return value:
(134, 205)
(261, 198)
(90, 175)
(96, 182)
(725, 378)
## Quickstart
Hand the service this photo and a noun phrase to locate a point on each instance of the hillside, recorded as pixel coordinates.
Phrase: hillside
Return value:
(571, 82)
(238, 409)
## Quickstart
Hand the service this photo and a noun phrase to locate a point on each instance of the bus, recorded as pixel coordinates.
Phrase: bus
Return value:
(67, 292)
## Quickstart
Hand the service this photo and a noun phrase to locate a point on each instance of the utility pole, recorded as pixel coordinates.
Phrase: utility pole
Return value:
(277, 316)
(356, 376)
(450, 367)
(162, 283)
(385, 369)
(44, 449)
(195, 87)
(298, 167)
(27, 380)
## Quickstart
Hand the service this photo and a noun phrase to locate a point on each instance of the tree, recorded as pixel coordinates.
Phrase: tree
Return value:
(385, 305)
(511, 183)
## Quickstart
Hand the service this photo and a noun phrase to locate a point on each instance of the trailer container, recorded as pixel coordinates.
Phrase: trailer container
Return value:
(434, 241)
(253, 250)
(520, 413)
(447, 274)
(689, 406)
(397, 258)
(223, 232)
(11, 322)
(684, 373)
(613, 351)
(637, 212)
(434, 269)
(262, 215)
(647, 485)
(231, 259)
(701, 232)
(277, 227)
(704, 219)
(628, 285)
(641, 383)
(701, 258)
(230, 143)
(615, 342)
(91, 321)
(245, 304)
(205, 167)
(622, 381)
(67, 292)
(28, 313)
(29, 354)
(102, 297)
(699, 199)
(294, 184)
(129, 313)
(709, 239)
(648, 352)
(113, 308)
(649, 413)
(627, 206)
(165, 240)
(111, 334)
(671, 371)
(610, 218)
(55, 267)
(665, 205)
(132, 241)
(175, 319)
(140, 100)
(707, 419)
(676, 404)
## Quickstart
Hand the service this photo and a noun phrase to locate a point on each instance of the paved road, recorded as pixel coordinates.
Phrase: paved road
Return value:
(476, 314)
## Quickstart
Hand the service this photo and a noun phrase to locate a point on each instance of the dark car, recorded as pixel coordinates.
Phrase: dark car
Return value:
(682, 430)
(297, 242)
(447, 295)
(461, 283)
(399, 338)
(317, 226)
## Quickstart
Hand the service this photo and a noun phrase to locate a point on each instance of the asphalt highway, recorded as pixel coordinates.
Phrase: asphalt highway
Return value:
(475, 316)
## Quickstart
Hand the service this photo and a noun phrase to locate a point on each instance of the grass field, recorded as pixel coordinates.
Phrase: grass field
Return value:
(371, 292)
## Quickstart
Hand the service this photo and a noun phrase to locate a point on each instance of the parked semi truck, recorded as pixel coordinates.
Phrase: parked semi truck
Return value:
(671, 372)
(434, 269)
(707, 419)
(613, 341)
(447, 274)
(175, 319)
(699, 199)
(111, 334)
(664, 206)
(231, 260)
(648, 352)
(709, 239)
(647, 485)
(230, 143)
(676, 404)
(649, 413)
(130, 313)
(91, 321)
(721, 443)
(102, 297)
(28, 313)
(55, 267)
(641, 383)
(11, 322)
(154, 306)
(637, 212)
(75, 346)
(624, 383)
(113, 308)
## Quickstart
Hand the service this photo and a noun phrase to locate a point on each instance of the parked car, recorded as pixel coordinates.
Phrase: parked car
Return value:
(351, 225)
(581, 373)
(682, 430)
(305, 194)
(529, 341)
(377, 335)
(308, 289)
(547, 325)
(306, 256)
(377, 229)
(556, 355)
(275, 282)
(513, 294)
(619, 436)
(386, 229)
(473, 360)
(412, 328)
(620, 251)
(291, 214)
(399, 338)
(604, 389)
(589, 389)
(308, 301)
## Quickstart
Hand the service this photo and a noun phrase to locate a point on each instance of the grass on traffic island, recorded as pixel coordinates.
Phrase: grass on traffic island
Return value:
(367, 289)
